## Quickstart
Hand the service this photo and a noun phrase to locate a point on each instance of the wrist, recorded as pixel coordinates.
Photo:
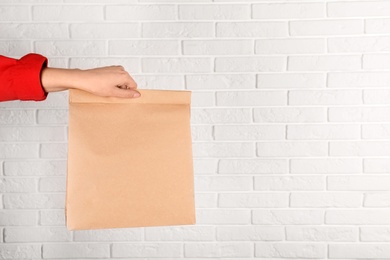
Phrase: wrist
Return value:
(56, 79)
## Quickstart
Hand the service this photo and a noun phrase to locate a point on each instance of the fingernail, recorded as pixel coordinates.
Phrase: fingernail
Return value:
(137, 95)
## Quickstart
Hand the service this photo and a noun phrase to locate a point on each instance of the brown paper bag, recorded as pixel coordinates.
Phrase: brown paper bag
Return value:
(129, 161)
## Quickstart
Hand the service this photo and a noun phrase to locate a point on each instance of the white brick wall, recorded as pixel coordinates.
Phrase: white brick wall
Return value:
(290, 125)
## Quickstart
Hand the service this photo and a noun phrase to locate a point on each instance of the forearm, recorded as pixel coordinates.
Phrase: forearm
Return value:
(105, 81)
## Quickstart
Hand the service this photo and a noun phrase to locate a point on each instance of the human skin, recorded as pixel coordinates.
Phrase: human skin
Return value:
(111, 81)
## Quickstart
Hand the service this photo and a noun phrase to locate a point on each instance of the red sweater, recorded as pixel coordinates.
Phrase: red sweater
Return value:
(21, 79)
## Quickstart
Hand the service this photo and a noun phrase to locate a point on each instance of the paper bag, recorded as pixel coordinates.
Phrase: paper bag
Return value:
(129, 161)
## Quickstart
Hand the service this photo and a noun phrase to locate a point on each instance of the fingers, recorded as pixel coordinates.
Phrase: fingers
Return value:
(125, 93)
(129, 82)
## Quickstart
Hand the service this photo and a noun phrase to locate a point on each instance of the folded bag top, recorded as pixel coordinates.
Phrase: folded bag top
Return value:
(129, 161)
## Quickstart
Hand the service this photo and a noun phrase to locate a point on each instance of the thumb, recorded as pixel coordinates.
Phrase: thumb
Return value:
(125, 93)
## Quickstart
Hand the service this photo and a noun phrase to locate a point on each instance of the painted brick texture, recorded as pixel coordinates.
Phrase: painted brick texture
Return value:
(290, 125)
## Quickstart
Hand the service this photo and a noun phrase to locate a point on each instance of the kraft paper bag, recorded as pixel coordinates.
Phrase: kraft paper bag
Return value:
(129, 161)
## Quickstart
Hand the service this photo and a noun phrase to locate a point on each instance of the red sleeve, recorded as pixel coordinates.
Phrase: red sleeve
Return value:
(21, 79)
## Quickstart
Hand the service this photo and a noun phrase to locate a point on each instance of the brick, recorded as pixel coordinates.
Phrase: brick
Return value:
(326, 27)
(290, 46)
(132, 65)
(251, 98)
(292, 149)
(288, 10)
(220, 116)
(324, 63)
(69, 250)
(249, 64)
(359, 114)
(58, 62)
(359, 251)
(54, 100)
(208, 149)
(140, 12)
(223, 216)
(217, 47)
(253, 200)
(15, 48)
(288, 217)
(214, 12)
(291, 80)
(14, 12)
(326, 165)
(108, 235)
(35, 168)
(375, 61)
(223, 183)
(34, 201)
(19, 251)
(290, 250)
(374, 234)
(220, 81)
(143, 47)
(71, 48)
(33, 133)
(54, 150)
(101, 1)
(52, 217)
(373, 26)
(359, 148)
(177, 30)
(205, 165)
(377, 200)
(187, 233)
(289, 115)
(67, 13)
(206, 200)
(250, 233)
(18, 150)
(376, 96)
(17, 117)
(168, 1)
(10, 185)
(323, 132)
(358, 79)
(52, 184)
(203, 99)
(286, 183)
(376, 131)
(251, 29)
(180, 1)
(358, 44)
(376, 165)
(170, 82)
(252, 166)
(325, 97)
(147, 250)
(178, 65)
(37, 234)
(315, 233)
(52, 116)
(25, 31)
(358, 183)
(358, 217)
(104, 30)
(249, 132)
(202, 133)
(18, 218)
(218, 250)
(325, 200)
(358, 9)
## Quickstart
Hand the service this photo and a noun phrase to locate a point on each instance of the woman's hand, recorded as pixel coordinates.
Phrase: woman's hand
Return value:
(112, 81)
